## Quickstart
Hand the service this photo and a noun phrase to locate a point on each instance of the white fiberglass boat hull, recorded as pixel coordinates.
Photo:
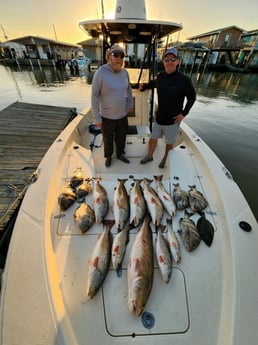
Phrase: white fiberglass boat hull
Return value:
(212, 297)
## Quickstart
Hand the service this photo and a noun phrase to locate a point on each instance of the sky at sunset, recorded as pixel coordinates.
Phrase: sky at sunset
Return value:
(60, 18)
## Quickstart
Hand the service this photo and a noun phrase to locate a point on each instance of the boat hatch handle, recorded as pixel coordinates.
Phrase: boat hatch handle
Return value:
(245, 226)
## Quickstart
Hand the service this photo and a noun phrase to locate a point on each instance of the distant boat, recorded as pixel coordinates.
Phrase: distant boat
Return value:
(80, 63)
(212, 295)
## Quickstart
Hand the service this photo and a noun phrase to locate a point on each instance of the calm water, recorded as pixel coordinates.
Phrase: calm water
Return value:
(225, 114)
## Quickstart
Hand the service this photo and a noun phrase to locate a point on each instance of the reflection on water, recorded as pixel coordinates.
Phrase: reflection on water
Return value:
(225, 114)
(49, 76)
(239, 87)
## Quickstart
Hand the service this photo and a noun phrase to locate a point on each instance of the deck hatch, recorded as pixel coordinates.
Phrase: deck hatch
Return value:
(167, 303)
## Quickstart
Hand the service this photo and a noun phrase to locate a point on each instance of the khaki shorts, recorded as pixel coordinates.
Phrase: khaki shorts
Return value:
(170, 132)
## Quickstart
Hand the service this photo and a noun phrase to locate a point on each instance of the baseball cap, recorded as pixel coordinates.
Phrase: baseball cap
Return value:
(116, 48)
(173, 51)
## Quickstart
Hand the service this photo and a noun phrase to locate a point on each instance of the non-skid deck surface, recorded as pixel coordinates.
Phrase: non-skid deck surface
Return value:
(180, 298)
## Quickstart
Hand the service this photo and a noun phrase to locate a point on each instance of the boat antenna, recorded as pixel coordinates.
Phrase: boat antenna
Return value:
(3, 31)
(55, 31)
(102, 9)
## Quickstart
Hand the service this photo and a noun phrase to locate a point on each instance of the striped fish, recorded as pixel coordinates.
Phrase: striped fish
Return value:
(189, 232)
(181, 197)
(197, 200)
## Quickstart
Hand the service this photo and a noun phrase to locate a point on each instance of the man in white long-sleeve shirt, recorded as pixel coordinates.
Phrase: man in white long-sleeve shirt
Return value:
(111, 101)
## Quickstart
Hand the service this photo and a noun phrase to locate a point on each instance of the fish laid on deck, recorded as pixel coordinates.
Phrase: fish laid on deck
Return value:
(98, 266)
(173, 242)
(153, 202)
(189, 232)
(100, 201)
(137, 204)
(140, 269)
(205, 229)
(163, 255)
(84, 217)
(121, 207)
(83, 189)
(165, 198)
(197, 200)
(66, 198)
(181, 197)
(119, 247)
(77, 178)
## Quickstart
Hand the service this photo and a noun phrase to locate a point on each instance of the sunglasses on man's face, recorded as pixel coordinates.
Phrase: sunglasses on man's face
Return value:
(118, 55)
(170, 59)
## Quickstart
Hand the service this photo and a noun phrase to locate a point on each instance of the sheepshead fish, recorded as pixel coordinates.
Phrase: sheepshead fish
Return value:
(189, 232)
(121, 206)
(140, 269)
(137, 204)
(154, 204)
(119, 247)
(205, 229)
(77, 178)
(165, 198)
(163, 255)
(100, 201)
(196, 199)
(83, 189)
(66, 198)
(173, 242)
(100, 260)
(84, 217)
(181, 197)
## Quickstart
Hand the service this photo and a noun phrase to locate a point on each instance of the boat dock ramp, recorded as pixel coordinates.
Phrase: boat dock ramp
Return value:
(26, 133)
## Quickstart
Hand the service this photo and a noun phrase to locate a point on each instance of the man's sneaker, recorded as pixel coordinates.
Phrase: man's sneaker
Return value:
(162, 163)
(123, 159)
(146, 159)
(108, 162)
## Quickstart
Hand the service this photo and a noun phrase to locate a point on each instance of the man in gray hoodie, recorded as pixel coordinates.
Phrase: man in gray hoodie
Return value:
(111, 101)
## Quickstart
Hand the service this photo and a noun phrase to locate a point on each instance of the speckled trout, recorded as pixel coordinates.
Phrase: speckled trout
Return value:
(140, 269)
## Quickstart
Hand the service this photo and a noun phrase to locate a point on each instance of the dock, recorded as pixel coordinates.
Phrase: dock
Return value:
(26, 133)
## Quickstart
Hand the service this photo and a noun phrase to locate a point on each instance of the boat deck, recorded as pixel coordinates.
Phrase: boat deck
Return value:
(55, 256)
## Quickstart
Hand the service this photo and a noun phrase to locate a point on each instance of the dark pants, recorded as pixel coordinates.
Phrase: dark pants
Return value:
(114, 130)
